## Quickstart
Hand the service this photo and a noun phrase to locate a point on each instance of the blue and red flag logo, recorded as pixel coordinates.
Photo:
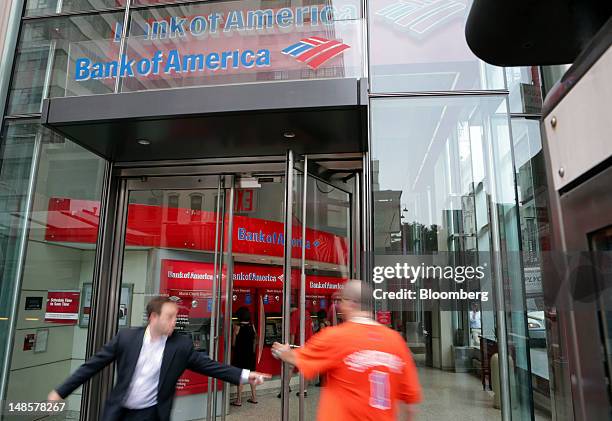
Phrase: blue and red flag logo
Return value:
(314, 51)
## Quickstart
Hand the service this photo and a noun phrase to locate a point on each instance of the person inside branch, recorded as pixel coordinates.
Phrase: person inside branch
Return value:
(244, 343)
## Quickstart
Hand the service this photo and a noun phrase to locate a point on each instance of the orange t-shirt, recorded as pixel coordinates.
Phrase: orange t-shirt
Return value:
(368, 369)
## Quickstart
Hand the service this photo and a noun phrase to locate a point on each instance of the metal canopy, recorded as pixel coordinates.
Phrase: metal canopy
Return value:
(326, 116)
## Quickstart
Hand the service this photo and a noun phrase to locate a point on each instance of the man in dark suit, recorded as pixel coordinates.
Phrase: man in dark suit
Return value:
(149, 362)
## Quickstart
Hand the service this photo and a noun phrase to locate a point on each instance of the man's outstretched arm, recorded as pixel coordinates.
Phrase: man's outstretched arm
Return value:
(200, 363)
(101, 359)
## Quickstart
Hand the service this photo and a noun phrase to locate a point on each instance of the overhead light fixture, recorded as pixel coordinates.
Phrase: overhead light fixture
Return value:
(289, 135)
(248, 183)
(144, 142)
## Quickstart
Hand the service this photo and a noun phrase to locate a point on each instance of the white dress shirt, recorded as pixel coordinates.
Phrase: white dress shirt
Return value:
(142, 392)
(143, 388)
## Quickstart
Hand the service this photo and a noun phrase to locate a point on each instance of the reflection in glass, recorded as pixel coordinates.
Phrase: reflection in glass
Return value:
(440, 165)
(321, 215)
(42, 55)
(524, 85)
(50, 7)
(420, 46)
(16, 152)
(245, 41)
(50, 342)
(170, 251)
(534, 226)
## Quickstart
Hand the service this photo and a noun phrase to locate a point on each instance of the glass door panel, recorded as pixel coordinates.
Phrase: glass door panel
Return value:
(320, 264)
(172, 237)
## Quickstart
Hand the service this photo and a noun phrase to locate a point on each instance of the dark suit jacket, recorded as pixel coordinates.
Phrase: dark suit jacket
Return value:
(179, 355)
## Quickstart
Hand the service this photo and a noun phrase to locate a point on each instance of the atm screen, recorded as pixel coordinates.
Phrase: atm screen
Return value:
(273, 331)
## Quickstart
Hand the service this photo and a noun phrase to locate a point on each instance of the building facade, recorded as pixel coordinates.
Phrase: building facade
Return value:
(256, 154)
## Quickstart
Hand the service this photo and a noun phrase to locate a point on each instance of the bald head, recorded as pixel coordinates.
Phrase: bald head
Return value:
(357, 292)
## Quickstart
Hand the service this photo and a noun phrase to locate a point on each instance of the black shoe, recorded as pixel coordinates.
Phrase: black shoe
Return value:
(305, 393)
(279, 393)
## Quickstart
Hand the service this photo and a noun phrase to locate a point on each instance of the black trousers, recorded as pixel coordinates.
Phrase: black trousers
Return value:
(145, 414)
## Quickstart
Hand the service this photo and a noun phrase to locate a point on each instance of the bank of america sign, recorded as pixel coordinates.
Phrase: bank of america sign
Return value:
(314, 51)
(209, 46)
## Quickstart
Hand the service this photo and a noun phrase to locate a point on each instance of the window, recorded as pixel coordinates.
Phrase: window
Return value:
(440, 165)
(50, 340)
(420, 46)
(49, 7)
(197, 200)
(41, 61)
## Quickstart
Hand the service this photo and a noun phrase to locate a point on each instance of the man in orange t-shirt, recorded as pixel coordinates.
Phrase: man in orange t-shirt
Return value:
(368, 366)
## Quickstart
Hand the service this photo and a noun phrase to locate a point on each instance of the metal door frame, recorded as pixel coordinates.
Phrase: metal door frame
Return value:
(575, 214)
(119, 180)
(309, 169)
(109, 266)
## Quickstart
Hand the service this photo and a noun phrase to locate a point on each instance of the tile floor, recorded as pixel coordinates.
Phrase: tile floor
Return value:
(447, 396)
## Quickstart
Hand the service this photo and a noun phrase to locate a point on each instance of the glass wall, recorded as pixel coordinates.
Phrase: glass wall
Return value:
(49, 187)
(16, 152)
(445, 171)
(50, 7)
(525, 86)
(420, 46)
(442, 164)
(42, 57)
(54, 297)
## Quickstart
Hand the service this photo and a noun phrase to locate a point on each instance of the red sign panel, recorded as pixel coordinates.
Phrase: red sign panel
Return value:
(157, 226)
(185, 277)
(62, 307)
(245, 200)
(191, 282)
(383, 317)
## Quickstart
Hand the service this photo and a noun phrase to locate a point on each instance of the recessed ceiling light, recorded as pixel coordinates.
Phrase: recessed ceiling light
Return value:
(144, 142)
(289, 135)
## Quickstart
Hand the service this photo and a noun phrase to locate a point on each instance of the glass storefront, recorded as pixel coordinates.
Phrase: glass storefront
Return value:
(418, 46)
(42, 56)
(53, 297)
(51, 7)
(453, 168)
(438, 176)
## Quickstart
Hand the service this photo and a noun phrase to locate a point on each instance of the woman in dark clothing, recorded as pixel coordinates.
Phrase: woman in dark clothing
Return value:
(244, 341)
(322, 319)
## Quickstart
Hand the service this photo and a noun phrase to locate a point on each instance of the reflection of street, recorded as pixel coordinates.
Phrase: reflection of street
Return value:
(539, 362)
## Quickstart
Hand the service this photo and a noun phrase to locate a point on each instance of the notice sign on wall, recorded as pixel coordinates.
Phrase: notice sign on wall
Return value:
(383, 317)
(62, 307)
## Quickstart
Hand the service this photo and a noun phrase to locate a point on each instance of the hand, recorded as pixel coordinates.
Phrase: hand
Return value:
(280, 350)
(54, 396)
(256, 377)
